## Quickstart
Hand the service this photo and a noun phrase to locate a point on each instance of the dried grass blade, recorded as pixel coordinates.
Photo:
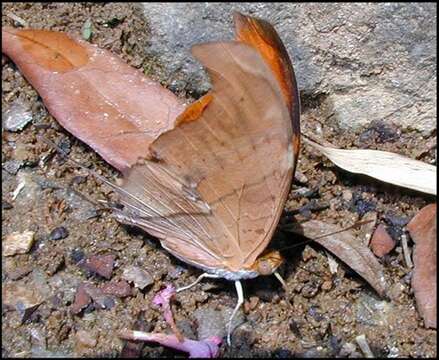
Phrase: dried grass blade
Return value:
(385, 166)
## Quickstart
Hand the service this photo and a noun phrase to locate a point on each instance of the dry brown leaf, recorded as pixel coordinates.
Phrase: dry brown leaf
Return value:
(422, 229)
(385, 166)
(347, 248)
(101, 100)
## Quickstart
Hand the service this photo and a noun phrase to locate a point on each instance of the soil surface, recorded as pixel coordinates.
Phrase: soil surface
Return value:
(326, 311)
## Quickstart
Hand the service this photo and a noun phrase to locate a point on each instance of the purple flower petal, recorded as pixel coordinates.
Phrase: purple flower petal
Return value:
(208, 348)
(163, 300)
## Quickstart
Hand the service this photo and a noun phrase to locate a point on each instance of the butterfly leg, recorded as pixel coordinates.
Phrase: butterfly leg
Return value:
(238, 305)
(281, 280)
(201, 277)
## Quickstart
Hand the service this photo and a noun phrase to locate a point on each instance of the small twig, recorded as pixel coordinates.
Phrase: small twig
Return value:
(364, 346)
(17, 19)
(406, 251)
(333, 264)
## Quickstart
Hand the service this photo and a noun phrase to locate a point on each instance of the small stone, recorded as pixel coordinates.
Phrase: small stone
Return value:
(99, 264)
(327, 285)
(56, 263)
(25, 299)
(117, 288)
(12, 166)
(346, 195)
(84, 341)
(396, 291)
(212, 322)
(6, 205)
(310, 289)
(300, 177)
(251, 304)
(82, 299)
(58, 233)
(77, 255)
(138, 276)
(347, 349)
(17, 116)
(19, 272)
(381, 242)
(18, 243)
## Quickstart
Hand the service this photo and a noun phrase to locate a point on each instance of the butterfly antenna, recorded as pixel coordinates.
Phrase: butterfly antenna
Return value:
(357, 224)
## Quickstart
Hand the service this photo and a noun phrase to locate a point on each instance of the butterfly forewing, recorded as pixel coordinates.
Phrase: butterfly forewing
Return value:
(235, 158)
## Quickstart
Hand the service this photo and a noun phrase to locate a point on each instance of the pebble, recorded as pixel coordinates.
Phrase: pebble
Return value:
(17, 116)
(117, 288)
(58, 233)
(212, 322)
(77, 255)
(327, 285)
(138, 276)
(381, 243)
(84, 341)
(18, 243)
(6, 205)
(300, 177)
(25, 299)
(99, 264)
(82, 299)
(396, 291)
(12, 166)
(346, 195)
(251, 304)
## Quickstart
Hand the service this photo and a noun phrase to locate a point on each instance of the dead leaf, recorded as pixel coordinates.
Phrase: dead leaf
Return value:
(385, 166)
(98, 98)
(422, 229)
(347, 248)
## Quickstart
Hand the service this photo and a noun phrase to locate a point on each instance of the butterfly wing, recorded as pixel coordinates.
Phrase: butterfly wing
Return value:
(263, 37)
(216, 188)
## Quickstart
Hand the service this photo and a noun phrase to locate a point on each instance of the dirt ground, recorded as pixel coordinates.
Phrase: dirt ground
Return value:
(328, 311)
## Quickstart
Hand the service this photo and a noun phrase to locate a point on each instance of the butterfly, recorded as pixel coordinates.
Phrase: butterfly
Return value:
(213, 188)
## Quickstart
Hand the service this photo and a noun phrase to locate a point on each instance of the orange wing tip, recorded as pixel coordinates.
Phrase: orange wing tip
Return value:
(194, 110)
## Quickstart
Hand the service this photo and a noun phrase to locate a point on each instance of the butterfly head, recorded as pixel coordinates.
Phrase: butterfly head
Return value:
(268, 262)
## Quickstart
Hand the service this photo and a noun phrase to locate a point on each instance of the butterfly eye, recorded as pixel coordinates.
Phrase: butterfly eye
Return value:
(265, 267)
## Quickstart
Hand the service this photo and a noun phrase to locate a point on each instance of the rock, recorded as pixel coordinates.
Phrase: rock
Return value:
(212, 322)
(17, 116)
(117, 288)
(23, 298)
(58, 233)
(18, 243)
(56, 263)
(12, 166)
(340, 54)
(346, 195)
(85, 294)
(251, 304)
(381, 242)
(82, 299)
(98, 296)
(347, 350)
(99, 264)
(138, 276)
(6, 205)
(396, 291)
(300, 177)
(84, 341)
(77, 255)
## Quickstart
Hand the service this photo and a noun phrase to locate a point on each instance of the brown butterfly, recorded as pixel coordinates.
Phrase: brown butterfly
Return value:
(214, 187)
